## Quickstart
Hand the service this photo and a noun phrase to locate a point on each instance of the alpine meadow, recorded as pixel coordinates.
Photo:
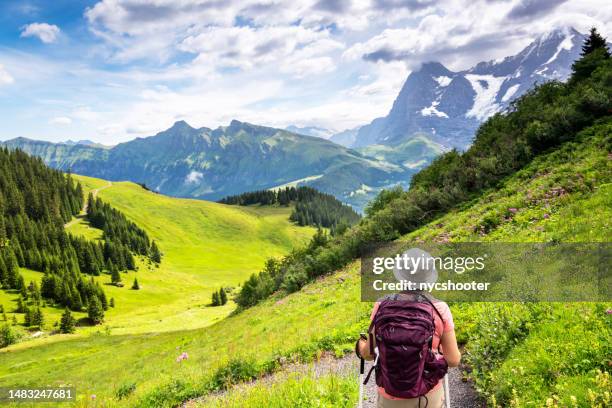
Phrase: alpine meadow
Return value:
(207, 241)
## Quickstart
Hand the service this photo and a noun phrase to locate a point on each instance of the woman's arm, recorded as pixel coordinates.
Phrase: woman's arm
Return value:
(450, 348)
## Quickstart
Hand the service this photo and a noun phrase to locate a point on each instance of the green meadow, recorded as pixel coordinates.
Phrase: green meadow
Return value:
(205, 246)
(508, 346)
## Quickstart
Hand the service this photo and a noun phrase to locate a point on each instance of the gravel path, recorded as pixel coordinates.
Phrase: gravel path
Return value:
(462, 393)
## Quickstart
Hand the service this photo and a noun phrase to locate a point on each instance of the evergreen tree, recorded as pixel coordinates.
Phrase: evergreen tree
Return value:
(38, 318)
(155, 254)
(115, 276)
(21, 307)
(135, 285)
(594, 52)
(594, 42)
(216, 301)
(222, 296)
(27, 317)
(95, 312)
(112, 302)
(67, 323)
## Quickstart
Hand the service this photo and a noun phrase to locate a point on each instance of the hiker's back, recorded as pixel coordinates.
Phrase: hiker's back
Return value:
(404, 331)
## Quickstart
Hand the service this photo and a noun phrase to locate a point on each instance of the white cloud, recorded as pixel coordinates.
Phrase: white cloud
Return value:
(46, 33)
(61, 120)
(298, 49)
(5, 77)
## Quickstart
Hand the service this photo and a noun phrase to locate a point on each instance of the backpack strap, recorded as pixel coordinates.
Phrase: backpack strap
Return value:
(434, 308)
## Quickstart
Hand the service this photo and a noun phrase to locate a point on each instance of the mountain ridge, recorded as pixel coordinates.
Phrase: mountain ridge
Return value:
(449, 106)
(206, 163)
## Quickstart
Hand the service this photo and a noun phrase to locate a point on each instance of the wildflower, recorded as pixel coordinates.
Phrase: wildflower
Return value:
(609, 311)
(513, 210)
(546, 216)
(183, 356)
(93, 396)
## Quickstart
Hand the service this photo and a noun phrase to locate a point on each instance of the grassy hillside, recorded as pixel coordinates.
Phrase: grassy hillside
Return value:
(206, 245)
(327, 315)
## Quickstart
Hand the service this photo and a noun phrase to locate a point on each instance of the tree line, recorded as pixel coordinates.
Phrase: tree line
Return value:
(119, 230)
(549, 115)
(35, 203)
(311, 206)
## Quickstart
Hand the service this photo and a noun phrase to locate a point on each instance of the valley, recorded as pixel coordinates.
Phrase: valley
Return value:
(205, 246)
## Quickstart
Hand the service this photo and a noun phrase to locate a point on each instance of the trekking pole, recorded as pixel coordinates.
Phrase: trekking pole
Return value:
(361, 372)
(447, 402)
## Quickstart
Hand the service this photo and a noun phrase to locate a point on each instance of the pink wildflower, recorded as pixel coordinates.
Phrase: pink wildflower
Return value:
(512, 210)
(546, 216)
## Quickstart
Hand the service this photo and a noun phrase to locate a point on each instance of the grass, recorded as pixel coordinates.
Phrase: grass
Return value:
(295, 391)
(512, 341)
(205, 245)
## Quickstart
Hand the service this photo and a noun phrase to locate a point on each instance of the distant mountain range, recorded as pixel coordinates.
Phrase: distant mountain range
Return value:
(436, 109)
(84, 142)
(447, 107)
(314, 131)
(210, 164)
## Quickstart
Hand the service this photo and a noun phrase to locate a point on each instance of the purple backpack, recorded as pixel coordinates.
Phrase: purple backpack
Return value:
(403, 327)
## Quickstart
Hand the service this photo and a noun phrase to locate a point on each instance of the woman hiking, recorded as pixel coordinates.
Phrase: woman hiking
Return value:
(412, 340)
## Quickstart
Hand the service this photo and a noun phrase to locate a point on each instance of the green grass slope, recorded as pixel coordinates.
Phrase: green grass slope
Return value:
(205, 245)
(508, 344)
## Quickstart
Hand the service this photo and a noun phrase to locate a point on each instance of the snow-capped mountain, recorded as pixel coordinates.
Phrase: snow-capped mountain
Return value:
(449, 106)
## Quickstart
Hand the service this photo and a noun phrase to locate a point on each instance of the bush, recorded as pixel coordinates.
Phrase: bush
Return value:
(9, 335)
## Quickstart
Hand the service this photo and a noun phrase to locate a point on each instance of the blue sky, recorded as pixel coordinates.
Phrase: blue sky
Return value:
(113, 70)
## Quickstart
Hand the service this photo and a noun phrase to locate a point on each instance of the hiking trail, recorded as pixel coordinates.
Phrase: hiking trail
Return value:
(83, 212)
(462, 393)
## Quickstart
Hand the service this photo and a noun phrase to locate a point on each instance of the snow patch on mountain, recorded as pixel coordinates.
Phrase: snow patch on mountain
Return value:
(443, 80)
(486, 88)
(510, 92)
(433, 111)
(566, 44)
(193, 177)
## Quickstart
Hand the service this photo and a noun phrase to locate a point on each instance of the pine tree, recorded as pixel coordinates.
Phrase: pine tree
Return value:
(135, 285)
(95, 312)
(115, 276)
(155, 254)
(594, 53)
(27, 317)
(21, 308)
(38, 318)
(112, 302)
(67, 323)
(222, 296)
(594, 42)
(216, 301)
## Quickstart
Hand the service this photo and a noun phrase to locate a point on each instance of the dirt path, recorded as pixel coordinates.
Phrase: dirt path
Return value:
(84, 209)
(462, 393)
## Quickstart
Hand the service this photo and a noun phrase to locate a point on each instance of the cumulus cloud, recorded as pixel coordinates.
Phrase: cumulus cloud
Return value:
(46, 33)
(5, 77)
(533, 8)
(295, 49)
(61, 120)
(459, 33)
